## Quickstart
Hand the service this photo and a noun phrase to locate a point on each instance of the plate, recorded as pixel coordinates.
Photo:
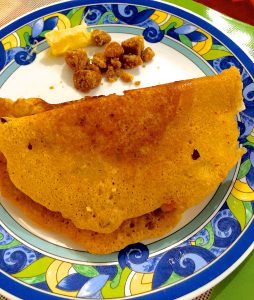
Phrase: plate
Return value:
(210, 240)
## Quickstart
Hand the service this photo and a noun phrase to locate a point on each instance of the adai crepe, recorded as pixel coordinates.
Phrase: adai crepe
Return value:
(180, 136)
(150, 225)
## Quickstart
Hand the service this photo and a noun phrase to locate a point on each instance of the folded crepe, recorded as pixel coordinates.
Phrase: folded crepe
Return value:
(105, 160)
(150, 225)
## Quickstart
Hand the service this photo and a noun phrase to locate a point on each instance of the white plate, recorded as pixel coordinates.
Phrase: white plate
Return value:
(210, 240)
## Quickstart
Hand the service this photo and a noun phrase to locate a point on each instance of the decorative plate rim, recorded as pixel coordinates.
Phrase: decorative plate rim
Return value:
(236, 252)
(156, 295)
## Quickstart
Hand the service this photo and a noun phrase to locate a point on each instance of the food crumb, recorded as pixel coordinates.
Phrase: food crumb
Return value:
(147, 54)
(125, 76)
(111, 75)
(137, 83)
(88, 208)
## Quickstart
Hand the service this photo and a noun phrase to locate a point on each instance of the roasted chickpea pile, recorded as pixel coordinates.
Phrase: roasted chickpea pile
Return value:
(110, 63)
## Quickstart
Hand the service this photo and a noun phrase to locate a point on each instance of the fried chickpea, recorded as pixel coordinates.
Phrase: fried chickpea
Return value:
(111, 74)
(115, 63)
(99, 59)
(93, 67)
(130, 61)
(85, 80)
(113, 50)
(100, 37)
(76, 59)
(134, 45)
(147, 54)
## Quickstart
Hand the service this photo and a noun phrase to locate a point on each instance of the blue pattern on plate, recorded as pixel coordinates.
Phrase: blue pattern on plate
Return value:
(15, 259)
(73, 282)
(192, 254)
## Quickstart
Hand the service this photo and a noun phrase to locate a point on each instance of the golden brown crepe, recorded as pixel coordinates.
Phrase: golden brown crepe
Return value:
(150, 137)
(150, 225)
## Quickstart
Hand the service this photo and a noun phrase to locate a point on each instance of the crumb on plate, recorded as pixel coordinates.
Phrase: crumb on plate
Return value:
(125, 76)
(111, 74)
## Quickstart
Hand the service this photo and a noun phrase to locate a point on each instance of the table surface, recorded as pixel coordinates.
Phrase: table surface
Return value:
(243, 10)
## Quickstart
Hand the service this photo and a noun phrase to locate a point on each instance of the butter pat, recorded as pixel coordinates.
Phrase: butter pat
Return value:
(63, 40)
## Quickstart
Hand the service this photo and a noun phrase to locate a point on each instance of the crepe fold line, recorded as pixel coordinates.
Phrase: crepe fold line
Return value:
(122, 157)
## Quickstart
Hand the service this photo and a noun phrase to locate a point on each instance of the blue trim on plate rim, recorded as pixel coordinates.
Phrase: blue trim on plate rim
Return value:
(245, 240)
(189, 285)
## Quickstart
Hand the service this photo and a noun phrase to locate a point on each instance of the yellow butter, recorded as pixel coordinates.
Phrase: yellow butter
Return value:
(63, 40)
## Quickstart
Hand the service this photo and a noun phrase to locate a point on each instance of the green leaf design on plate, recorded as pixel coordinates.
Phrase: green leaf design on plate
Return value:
(87, 271)
(171, 22)
(248, 144)
(168, 25)
(75, 16)
(248, 211)
(119, 291)
(10, 245)
(38, 267)
(185, 40)
(117, 278)
(214, 54)
(244, 169)
(111, 17)
(72, 12)
(238, 210)
(219, 47)
(179, 22)
(26, 38)
(172, 279)
(33, 280)
(44, 32)
(23, 33)
(250, 138)
(200, 241)
(141, 8)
